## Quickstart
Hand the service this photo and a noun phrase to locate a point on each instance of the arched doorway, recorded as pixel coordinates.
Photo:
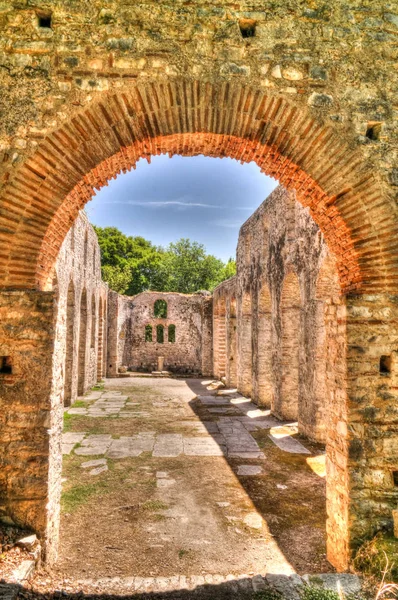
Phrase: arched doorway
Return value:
(290, 143)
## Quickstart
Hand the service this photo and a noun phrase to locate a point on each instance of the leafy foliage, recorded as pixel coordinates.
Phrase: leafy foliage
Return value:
(318, 593)
(132, 264)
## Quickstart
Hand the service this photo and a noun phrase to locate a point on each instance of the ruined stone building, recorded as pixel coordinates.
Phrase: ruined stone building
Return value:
(309, 94)
(177, 327)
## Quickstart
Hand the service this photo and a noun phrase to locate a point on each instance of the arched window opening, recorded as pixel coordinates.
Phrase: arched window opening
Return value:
(160, 309)
(148, 333)
(159, 334)
(93, 322)
(172, 334)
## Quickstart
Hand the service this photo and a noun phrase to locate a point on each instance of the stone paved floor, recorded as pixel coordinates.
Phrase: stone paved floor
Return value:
(230, 435)
(169, 483)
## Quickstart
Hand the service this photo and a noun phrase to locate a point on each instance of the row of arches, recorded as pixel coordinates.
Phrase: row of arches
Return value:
(85, 348)
(271, 344)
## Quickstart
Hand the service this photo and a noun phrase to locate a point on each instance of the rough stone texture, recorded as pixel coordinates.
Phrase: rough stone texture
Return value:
(28, 410)
(189, 313)
(103, 87)
(269, 321)
(82, 309)
(287, 301)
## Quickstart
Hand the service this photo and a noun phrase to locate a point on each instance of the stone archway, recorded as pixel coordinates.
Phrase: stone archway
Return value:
(41, 196)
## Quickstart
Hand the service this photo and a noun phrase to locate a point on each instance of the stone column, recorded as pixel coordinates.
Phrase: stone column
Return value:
(362, 445)
(31, 390)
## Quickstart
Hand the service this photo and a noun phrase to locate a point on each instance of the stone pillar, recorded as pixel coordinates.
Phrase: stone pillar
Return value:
(112, 363)
(362, 440)
(31, 389)
(207, 336)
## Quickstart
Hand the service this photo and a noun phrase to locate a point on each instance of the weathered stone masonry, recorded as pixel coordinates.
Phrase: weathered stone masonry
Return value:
(309, 97)
(133, 328)
(281, 336)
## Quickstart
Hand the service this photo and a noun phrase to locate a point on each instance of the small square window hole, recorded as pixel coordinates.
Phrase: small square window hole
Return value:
(385, 364)
(247, 28)
(373, 131)
(45, 21)
(395, 478)
(5, 365)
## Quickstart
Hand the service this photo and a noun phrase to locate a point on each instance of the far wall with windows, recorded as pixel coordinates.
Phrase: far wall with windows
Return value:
(177, 327)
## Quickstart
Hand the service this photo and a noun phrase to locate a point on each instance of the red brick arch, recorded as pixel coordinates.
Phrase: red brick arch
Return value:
(41, 199)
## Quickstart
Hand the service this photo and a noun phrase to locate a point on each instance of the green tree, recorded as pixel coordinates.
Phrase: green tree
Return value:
(132, 265)
(186, 268)
(118, 278)
(135, 254)
(229, 269)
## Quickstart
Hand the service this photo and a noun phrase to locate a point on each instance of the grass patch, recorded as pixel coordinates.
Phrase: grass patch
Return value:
(68, 421)
(371, 557)
(98, 387)
(80, 494)
(79, 404)
(310, 592)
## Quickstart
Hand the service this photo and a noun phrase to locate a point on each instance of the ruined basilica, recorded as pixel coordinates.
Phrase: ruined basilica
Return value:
(309, 325)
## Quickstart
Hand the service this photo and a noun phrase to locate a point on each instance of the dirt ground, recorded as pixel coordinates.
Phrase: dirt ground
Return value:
(160, 516)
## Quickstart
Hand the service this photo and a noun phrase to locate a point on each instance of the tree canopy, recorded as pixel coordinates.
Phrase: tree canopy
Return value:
(132, 265)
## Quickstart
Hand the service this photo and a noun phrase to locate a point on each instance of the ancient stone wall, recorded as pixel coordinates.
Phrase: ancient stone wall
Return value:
(285, 281)
(181, 332)
(281, 320)
(88, 89)
(47, 357)
(82, 308)
(28, 410)
(308, 92)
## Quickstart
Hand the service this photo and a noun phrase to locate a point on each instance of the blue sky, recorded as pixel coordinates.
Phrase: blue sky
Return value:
(204, 199)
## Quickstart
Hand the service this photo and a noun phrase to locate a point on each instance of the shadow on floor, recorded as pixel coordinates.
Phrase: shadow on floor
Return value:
(291, 497)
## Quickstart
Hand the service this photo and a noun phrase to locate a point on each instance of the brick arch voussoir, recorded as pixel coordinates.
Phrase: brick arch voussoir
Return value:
(189, 118)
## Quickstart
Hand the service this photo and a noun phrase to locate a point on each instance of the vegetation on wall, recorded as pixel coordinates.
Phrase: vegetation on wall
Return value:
(133, 264)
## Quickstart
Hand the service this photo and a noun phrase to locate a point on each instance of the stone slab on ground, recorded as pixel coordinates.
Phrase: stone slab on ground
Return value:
(93, 463)
(98, 470)
(197, 446)
(214, 401)
(282, 437)
(168, 445)
(67, 448)
(24, 571)
(348, 583)
(77, 411)
(287, 585)
(70, 437)
(247, 470)
(247, 455)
